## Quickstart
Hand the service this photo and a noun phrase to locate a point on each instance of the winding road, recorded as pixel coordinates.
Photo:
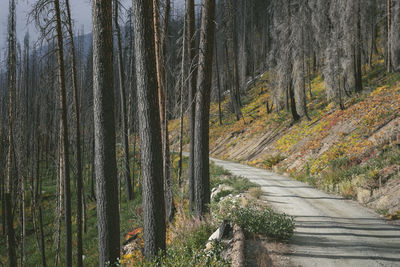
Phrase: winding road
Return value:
(330, 231)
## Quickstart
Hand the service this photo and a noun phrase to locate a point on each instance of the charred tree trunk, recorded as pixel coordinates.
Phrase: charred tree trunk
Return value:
(357, 53)
(183, 83)
(295, 115)
(192, 82)
(11, 245)
(218, 82)
(124, 118)
(201, 148)
(78, 149)
(235, 91)
(159, 40)
(150, 129)
(104, 128)
(64, 136)
(389, 29)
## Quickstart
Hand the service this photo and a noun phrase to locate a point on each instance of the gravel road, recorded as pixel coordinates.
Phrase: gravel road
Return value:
(330, 230)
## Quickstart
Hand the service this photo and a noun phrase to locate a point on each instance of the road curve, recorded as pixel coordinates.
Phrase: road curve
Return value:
(330, 231)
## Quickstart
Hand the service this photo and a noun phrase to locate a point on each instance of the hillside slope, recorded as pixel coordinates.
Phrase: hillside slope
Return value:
(354, 152)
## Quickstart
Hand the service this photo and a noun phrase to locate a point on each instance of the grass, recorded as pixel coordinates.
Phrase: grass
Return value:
(347, 175)
(128, 220)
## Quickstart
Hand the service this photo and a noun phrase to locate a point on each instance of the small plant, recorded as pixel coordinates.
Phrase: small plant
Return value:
(222, 194)
(255, 192)
(383, 212)
(271, 161)
(240, 184)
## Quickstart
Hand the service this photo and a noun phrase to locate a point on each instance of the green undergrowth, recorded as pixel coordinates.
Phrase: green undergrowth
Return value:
(255, 219)
(344, 175)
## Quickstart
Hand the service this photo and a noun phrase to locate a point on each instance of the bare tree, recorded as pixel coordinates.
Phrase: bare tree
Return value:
(104, 128)
(78, 149)
(192, 82)
(159, 40)
(64, 135)
(201, 146)
(12, 257)
(150, 129)
(124, 118)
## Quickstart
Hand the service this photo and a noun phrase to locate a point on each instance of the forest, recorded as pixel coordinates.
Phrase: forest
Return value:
(108, 135)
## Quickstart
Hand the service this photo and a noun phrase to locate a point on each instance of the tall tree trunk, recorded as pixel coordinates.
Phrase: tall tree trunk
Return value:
(295, 115)
(78, 149)
(388, 29)
(124, 133)
(181, 104)
(201, 148)
(357, 54)
(235, 91)
(218, 82)
(159, 40)
(150, 129)
(104, 127)
(192, 83)
(64, 136)
(12, 257)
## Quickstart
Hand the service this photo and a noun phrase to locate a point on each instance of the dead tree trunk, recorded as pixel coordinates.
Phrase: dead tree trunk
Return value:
(160, 64)
(124, 132)
(64, 136)
(150, 129)
(78, 149)
(183, 83)
(201, 148)
(12, 257)
(192, 82)
(218, 82)
(104, 127)
(389, 29)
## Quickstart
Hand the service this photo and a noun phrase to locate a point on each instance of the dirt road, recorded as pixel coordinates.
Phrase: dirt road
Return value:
(330, 231)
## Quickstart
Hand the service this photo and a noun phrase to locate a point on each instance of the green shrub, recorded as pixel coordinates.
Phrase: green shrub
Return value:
(256, 219)
(178, 256)
(271, 161)
(255, 192)
(222, 194)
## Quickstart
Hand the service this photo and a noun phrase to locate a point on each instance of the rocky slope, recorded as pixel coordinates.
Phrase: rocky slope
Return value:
(354, 152)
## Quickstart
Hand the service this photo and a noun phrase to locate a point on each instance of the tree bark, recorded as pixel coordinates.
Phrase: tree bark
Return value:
(192, 82)
(124, 132)
(104, 128)
(150, 129)
(201, 147)
(12, 257)
(357, 54)
(389, 25)
(183, 83)
(78, 149)
(64, 136)
(235, 91)
(218, 82)
(159, 40)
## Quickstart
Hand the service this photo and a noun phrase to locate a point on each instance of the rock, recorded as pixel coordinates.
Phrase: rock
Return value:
(221, 232)
(219, 189)
(215, 236)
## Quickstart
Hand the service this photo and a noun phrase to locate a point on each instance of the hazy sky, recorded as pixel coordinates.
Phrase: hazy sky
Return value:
(80, 9)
